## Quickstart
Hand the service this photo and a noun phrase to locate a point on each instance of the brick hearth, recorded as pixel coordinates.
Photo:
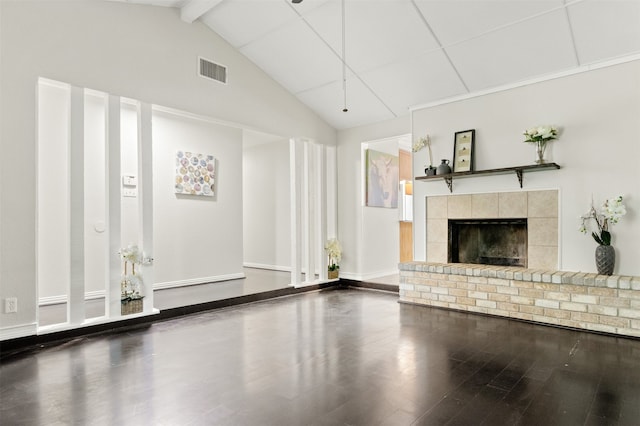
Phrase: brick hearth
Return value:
(579, 300)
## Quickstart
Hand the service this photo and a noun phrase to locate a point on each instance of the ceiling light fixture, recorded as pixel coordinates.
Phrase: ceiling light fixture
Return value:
(296, 1)
(344, 62)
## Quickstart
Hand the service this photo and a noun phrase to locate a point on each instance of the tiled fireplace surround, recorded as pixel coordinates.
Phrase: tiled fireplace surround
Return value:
(539, 293)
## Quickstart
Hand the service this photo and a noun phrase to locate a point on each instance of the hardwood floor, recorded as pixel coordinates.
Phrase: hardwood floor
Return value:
(332, 357)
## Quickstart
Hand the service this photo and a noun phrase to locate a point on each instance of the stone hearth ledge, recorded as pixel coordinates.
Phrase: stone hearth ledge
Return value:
(586, 301)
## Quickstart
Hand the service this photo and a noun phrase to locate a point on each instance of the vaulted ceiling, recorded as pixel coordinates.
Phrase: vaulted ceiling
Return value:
(402, 53)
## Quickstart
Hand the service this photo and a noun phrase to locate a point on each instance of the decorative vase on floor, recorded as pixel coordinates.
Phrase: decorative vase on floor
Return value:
(332, 275)
(540, 147)
(605, 259)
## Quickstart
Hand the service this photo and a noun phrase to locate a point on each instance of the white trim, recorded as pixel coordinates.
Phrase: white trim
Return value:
(267, 267)
(62, 298)
(14, 332)
(194, 281)
(206, 119)
(369, 276)
(578, 70)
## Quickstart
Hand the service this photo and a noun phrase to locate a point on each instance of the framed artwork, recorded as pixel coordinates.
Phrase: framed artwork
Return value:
(382, 179)
(195, 174)
(463, 145)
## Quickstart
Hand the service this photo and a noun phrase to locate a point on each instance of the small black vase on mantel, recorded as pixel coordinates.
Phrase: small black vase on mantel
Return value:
(443, 168)
(430, 171)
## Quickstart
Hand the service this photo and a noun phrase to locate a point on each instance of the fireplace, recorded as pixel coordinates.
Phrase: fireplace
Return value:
(488, 241)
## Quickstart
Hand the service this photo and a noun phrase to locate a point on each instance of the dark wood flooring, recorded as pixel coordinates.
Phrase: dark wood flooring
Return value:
(333, 357)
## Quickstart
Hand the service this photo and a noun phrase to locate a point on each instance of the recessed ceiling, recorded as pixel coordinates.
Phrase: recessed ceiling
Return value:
(401, 53)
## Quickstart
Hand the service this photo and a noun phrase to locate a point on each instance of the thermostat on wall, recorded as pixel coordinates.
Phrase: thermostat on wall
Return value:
(129, 180)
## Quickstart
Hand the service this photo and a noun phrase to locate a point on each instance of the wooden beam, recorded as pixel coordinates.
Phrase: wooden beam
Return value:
(196, 8)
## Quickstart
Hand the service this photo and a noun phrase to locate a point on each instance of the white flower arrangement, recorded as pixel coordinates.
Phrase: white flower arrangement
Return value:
(541, 134)
(132, 254)
(422, 143)
(610, 213)
(130, 284)
(334, 251)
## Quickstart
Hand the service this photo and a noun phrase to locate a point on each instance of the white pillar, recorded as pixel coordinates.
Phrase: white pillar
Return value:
(295, 181)
(320, 211)
(113, 208)
(145, 202)
(75, 290)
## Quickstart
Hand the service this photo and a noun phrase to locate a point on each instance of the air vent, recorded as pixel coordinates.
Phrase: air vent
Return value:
(211, 70)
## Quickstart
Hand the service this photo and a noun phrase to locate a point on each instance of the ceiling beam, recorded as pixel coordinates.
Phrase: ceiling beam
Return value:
(194, 9)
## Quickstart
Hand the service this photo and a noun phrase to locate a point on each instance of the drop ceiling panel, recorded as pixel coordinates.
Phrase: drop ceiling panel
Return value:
(604, 30)
(363, 106)
(295, 57)
(377, 32)
(454, 21)
(535, 47)
(421, 79)
(241, 21)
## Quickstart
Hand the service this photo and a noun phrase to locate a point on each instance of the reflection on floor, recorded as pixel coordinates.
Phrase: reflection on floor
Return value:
(332, 357)
(256, 281)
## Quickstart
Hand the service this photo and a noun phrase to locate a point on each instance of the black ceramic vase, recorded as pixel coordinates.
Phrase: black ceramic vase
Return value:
(605, 259)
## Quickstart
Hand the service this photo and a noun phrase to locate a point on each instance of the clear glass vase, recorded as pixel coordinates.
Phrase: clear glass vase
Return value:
(540, 148)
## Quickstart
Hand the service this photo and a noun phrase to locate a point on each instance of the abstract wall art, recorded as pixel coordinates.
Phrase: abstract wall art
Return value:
(195, 174)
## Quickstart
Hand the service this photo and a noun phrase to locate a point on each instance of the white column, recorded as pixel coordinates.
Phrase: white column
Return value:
(75, 289)
(145, 202)
(113, 208)
(320, 211)
(295, 180)
(309, 212)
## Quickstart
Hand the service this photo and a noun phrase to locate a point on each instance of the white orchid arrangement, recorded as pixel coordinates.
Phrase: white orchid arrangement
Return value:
(334, 251)
(610, 213)
(131, 253)
(540, 134)
(130, 284)
(422, 143)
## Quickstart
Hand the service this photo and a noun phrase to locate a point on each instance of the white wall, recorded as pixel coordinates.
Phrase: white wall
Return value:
(266, 201)
(369, 235)
(196, 238)
(141, 52)
(598, 113)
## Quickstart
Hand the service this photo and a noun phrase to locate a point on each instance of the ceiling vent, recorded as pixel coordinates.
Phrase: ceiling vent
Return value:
(211, 70)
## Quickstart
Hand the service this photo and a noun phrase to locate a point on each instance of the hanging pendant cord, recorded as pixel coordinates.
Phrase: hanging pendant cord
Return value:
(344, 61)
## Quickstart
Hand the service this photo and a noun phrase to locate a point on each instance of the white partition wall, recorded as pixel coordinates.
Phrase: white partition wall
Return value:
(313, 195)
(80, 207)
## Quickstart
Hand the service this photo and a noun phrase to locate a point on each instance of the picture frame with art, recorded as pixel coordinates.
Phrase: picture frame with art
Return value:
(463, 151)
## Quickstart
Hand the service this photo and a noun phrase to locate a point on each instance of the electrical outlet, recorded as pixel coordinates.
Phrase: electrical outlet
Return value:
(11, 305)
(129, 192)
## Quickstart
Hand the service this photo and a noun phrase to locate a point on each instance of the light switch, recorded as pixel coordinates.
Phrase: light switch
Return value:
(129, 180)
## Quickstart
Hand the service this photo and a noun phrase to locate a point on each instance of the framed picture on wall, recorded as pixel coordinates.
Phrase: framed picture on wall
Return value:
(195, 174)
(382, 179)
(463, 145)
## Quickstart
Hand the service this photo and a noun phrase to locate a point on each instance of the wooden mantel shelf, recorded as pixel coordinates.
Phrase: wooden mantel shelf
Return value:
(519, 171)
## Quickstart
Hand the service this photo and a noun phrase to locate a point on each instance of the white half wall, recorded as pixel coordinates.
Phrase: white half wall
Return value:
(266, 206)
(598, 149)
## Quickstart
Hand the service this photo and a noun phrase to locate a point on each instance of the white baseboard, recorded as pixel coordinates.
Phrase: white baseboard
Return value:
(7, 333)
(195, 281)
(369, 276)
(268, 267)
(56, 300)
